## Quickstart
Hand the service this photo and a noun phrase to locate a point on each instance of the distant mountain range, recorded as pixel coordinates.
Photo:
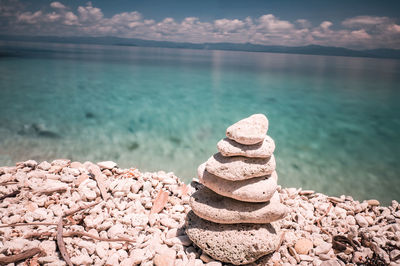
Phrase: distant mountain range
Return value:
(309, 49)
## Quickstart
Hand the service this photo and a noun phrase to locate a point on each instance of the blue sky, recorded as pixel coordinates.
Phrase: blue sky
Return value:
(354, 24)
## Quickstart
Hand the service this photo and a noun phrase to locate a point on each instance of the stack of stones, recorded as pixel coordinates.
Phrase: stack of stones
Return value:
(234, 210)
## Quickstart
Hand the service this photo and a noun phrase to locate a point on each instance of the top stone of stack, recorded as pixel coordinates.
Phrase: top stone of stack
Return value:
(249, 131)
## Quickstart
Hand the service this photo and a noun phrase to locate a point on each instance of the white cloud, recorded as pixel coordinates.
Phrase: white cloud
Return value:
(364, 20)
(70, 19)
(394, 28)
(228, 25)
(269, 23)
(29, 17)
(89, 13)
(325, 25)
(166, 27)
(268, 29)
(53, 16)
(126, 17)
(360, 34)
(57, 5)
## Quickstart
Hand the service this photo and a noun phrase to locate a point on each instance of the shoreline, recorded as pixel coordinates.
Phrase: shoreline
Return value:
(149, 210)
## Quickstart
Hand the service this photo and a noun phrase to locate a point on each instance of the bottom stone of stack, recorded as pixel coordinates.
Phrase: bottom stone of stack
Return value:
(233, 243)
(213, 207)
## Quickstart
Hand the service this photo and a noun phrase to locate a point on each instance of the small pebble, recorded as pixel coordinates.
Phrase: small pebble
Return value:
(373, 202)
(361, 221)
(107, 164)
(323, 248)
(303, 246)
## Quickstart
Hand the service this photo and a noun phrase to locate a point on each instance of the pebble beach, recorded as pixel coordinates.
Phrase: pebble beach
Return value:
(112, 216)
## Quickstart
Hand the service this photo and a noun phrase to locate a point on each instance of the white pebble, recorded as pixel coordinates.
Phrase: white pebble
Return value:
(112, 260)
(361, 221)
(323, 248)
(139, 219)
(82, 260)
(115, 231)
(102, 249)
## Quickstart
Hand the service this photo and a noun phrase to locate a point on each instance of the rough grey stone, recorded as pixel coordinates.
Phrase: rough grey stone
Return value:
(239, 168)
(264, 149)
(208, 205)
(233, 243)
(257, 189)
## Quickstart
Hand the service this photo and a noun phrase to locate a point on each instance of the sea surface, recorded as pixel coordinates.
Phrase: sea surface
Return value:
(335, 120)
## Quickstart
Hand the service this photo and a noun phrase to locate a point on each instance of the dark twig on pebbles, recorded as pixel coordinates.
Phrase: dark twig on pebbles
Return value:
(61, 244)
(50, 191)
(80, 208)
(12, 194)
(68, 213)
(21, 256)
(76, 233)
(40, 235)
(60, 240)
(318, 221)
(99, 177)
(8, 183)
(24, 224)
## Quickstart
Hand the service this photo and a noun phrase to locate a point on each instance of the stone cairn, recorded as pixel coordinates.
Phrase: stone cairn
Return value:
(234, 210)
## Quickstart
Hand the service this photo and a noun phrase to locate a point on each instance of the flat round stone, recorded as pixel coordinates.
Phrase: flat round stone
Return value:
(233, 243)
(213, 207)
(264, 149)
(239, 167)
(250, 130)
(257, 189)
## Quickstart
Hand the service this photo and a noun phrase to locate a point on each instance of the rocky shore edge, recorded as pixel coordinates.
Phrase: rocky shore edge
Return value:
(72, 213)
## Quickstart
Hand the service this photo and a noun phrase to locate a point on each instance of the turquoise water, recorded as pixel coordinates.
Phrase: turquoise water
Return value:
(335, 120)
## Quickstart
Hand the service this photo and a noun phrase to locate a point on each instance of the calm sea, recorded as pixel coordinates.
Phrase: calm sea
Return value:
(335, 120)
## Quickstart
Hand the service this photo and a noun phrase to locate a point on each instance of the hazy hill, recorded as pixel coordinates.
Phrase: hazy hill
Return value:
(309, 49)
